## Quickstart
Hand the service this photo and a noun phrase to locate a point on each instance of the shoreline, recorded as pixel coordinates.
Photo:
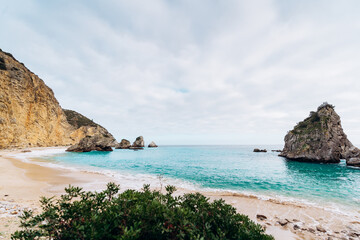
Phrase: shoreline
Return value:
(300, 221)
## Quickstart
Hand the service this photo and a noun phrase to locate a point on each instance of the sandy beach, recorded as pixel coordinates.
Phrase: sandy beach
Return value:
(22, 184)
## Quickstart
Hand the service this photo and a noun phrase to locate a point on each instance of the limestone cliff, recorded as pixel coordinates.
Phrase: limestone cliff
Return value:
(84, 127)
(319, 138)
(30, 115)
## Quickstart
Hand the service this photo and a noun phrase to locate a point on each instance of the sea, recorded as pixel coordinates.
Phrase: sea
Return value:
(234, 169)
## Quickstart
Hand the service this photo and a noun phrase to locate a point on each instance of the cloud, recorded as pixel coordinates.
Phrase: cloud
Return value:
(210, 72)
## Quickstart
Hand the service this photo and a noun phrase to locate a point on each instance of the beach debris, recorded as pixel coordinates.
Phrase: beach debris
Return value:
(296, 227)
(354, 234)
(261, 217)
(124, 144)
(152, 145)
(320, 229)
(296, 220)
(283, 222)
(9, 209)
(259, 150)
(311, 230)
(25, 151)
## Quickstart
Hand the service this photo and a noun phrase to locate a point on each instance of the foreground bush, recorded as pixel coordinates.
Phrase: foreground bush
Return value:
(136, 215)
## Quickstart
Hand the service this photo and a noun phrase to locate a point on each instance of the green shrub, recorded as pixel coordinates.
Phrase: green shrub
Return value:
(134, 214)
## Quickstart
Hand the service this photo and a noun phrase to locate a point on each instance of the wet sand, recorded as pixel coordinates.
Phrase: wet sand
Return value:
(22, 184)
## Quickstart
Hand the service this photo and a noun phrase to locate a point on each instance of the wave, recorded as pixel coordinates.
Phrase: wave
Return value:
(129, 180)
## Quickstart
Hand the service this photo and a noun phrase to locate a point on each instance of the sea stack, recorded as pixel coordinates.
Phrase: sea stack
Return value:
(319, 138)
(152, 145)
(139, 143)
(124, 144)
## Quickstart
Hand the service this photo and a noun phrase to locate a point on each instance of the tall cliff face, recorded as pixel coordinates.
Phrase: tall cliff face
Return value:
(30, 115)
(319, 138)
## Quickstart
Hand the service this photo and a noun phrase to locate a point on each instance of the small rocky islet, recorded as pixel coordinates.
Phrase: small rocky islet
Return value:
(320, 138)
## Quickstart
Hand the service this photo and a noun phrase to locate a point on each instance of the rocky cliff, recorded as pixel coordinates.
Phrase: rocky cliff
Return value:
(30, 115)
(319, 138)
(84, 127)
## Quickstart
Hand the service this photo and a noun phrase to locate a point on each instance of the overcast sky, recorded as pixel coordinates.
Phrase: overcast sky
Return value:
(193, 72)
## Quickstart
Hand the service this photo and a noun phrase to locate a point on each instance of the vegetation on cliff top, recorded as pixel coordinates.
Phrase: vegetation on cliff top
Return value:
(134, 214)
(78, 120)
(313, 123)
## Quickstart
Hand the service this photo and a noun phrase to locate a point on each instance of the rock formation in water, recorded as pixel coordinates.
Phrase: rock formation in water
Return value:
(152, 145)
(83, 127)
(355, 162)
(319, 138)
(259, 150)
(97, 142)
(30, 115)
(139, 143)
(124, 144)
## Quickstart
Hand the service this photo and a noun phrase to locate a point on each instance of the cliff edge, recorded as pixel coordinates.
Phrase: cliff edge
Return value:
(30, 115)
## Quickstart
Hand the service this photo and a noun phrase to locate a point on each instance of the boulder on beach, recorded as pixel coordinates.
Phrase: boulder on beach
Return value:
(124, 144)
(139, 143)
(97, 142)
(152, 145)
(319, 138)
(259, 150)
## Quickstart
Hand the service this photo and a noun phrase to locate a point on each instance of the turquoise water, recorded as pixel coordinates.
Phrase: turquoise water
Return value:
(234, 168)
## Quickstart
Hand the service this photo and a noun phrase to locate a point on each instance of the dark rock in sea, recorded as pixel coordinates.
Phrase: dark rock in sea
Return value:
(152, 145)
(319, 138)
(355, 162)
(276, 150)
(124, 144)
(260, 150)
(138, 144)
(98, 142)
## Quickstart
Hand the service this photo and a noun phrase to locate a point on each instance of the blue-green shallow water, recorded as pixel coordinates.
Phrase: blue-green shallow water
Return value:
(234, 168)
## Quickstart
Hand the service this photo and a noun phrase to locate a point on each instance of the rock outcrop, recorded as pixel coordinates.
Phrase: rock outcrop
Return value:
(355, 162)
(152, 145)
(124, 144)
(30, 115)
(319, 138)
(259, 150)
(83, 127)
(138, 144)
(97, 142)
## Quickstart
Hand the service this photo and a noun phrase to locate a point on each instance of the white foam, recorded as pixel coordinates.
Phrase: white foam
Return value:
(128, 180)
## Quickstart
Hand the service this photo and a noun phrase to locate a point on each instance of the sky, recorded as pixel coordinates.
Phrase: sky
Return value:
(193, 72)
